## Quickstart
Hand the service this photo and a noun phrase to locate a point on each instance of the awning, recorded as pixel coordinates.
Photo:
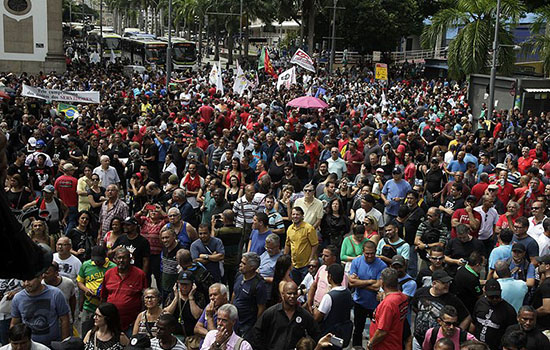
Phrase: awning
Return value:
(538, 90)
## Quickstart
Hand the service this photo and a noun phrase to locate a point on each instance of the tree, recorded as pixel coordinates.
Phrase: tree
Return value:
(539, 43)
(470, 51)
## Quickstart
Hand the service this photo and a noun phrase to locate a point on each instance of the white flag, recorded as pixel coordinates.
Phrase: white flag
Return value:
(303, 60)
(287, 78)
(113, 57)
(215, 78)
(241, 83)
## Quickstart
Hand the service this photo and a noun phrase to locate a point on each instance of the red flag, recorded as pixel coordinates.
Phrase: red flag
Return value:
(267, 65)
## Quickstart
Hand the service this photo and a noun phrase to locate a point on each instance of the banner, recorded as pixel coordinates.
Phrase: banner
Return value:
(287, 78)
(70, 111)
(381, 71)
(303, 60)
(58, 95)
(261, 60)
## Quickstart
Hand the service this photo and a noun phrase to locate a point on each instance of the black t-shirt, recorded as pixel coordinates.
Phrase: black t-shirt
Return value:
(411, 224)
(434, 180)
(424, 278)
(542, 292)
(466, 287)
(454, 204)
(301, 172)
(139, 248)
(536, 340)
(428, 307)
(491, 321)
(41, 177)
(21, 170)
(459, 250)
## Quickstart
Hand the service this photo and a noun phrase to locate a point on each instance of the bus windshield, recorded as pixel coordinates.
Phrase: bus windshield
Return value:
(111, 43)
(185, 53)
(155, 54)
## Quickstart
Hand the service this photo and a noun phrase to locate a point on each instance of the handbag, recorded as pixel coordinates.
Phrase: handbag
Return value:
(5, 305)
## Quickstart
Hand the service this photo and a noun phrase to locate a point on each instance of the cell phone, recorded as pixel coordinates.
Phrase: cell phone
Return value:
(338, 342)
(150, 207)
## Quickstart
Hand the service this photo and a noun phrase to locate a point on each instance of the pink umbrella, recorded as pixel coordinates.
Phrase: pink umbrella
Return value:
(308, 102)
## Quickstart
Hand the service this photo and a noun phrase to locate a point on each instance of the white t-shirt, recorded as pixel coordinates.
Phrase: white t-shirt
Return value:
(69, 267)
(34, 346)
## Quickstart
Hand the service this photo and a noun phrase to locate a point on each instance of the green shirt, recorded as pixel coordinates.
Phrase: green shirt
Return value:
(92, 276)
(350, 249)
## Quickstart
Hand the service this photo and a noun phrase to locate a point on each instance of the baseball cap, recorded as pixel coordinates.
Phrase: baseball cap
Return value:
(71, 343)
(130, 220)
(518, 247)
(380, 170)
(49, 189)
(185, 277)
(441, 275)
(492, 288)
(501, 166)
(545, 259)
(397, 260)
(139, 341)
(396, 171)
(40, 144)
(32, 142)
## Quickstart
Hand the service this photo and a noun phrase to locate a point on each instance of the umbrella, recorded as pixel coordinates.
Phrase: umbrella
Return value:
(307, 102)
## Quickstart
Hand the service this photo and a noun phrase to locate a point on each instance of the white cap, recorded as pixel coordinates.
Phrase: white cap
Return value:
(32, 142)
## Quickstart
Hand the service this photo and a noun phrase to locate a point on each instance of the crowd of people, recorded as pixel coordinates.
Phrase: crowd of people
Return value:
(193, 219)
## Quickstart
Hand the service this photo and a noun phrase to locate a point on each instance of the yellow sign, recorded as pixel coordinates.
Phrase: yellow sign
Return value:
(381, 71)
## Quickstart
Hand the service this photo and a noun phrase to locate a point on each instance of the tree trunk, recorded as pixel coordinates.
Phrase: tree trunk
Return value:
(311, 29)
(141, 22)
(161, 22)
(200, 36)
(229, 46)
(217, 43)
(246, 41)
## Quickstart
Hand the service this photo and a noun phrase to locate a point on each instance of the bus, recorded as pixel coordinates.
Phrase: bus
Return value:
(144, 52)
(184, 54)
(112, 43)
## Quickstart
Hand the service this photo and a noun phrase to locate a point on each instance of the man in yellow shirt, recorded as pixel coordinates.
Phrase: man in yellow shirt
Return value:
(301, 244)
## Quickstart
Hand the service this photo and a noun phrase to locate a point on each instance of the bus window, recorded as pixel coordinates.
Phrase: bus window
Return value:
(111, 43)
(185, 53)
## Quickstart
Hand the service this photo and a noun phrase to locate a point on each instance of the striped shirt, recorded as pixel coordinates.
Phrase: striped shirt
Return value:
(245, 211)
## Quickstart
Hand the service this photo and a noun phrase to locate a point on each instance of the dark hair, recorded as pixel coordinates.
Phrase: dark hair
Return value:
(170, 320)
(359, 229)
(475, 258)
(305, 343)
(82, 212)
(340, 207)
(111, 316)
(414, 193)
(446, 342)
(369, 244)
(333, 250)
(207, 226)
(516, 340)
(336, 272)
(506, 235)
(448, 310)
(263, 218)
(284, 262)
(19, 332)
(436, 248)
(523, 221)
(113, 219)
(457, 186)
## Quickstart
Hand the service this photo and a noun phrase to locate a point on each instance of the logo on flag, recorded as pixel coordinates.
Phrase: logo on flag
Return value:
(287, 78)
(70, 111)
(303, 60)
(215, 77)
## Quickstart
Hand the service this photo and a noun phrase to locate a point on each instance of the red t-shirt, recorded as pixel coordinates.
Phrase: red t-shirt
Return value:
(206, 113)
(479, 189)
(353, 169)
(389, 316)
(410, 172)
(125, 293)
(524, 163)
(463, 218)
(505, 192)
(503, 221)
(65, 186)
(312, 150)
(202, 143)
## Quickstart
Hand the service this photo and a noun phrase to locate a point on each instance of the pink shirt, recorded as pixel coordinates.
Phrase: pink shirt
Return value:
(211, 338)
(455, 338)
(323, 287)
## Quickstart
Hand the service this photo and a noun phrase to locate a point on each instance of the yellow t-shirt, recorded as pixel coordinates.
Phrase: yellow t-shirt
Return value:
(301, 239)
(83, 202)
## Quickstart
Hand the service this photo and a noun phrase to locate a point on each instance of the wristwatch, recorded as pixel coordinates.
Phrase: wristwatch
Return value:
(426, 246)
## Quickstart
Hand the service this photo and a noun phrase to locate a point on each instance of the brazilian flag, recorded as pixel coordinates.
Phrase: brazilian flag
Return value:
(70, 111)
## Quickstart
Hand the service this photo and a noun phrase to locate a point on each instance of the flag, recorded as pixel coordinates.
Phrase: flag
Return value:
(303, 60)
(261, 60)
(287, 78)
(70, 111)
(320, 91)
(215, 77)
(113, 57)
(241, 83)
(268, 66)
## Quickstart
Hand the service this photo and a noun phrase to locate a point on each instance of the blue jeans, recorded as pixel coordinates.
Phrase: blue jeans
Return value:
(4, 327)
(71, 219)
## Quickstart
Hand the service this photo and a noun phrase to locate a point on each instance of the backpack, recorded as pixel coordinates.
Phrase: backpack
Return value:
(433, 338)
(402, 283)
(390, 250)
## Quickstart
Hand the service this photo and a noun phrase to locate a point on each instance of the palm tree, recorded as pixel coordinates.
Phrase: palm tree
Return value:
(470, 51)
(539, 42)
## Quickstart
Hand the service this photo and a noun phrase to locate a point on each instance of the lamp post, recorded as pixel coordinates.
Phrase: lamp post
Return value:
(490, 103)
(333, 44)
(241, 31)
(101, 30)
(169, 48)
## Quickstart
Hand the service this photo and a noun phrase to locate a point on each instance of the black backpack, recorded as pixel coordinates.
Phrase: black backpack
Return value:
(390, 250)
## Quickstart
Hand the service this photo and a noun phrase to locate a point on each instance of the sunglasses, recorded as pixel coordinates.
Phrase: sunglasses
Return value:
(437, 258)
(308, 190)
(449, 323)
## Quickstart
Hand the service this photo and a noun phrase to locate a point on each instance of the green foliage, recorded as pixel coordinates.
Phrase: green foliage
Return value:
(539, 42)
(77, 11)
(470, 51)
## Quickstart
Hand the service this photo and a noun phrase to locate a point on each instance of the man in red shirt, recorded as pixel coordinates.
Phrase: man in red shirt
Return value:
(467, 216)
(65, 187)
(206, 112)
(386, 328)
(123, 287)
(353, 159)
(505, 189)
(479, 189)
